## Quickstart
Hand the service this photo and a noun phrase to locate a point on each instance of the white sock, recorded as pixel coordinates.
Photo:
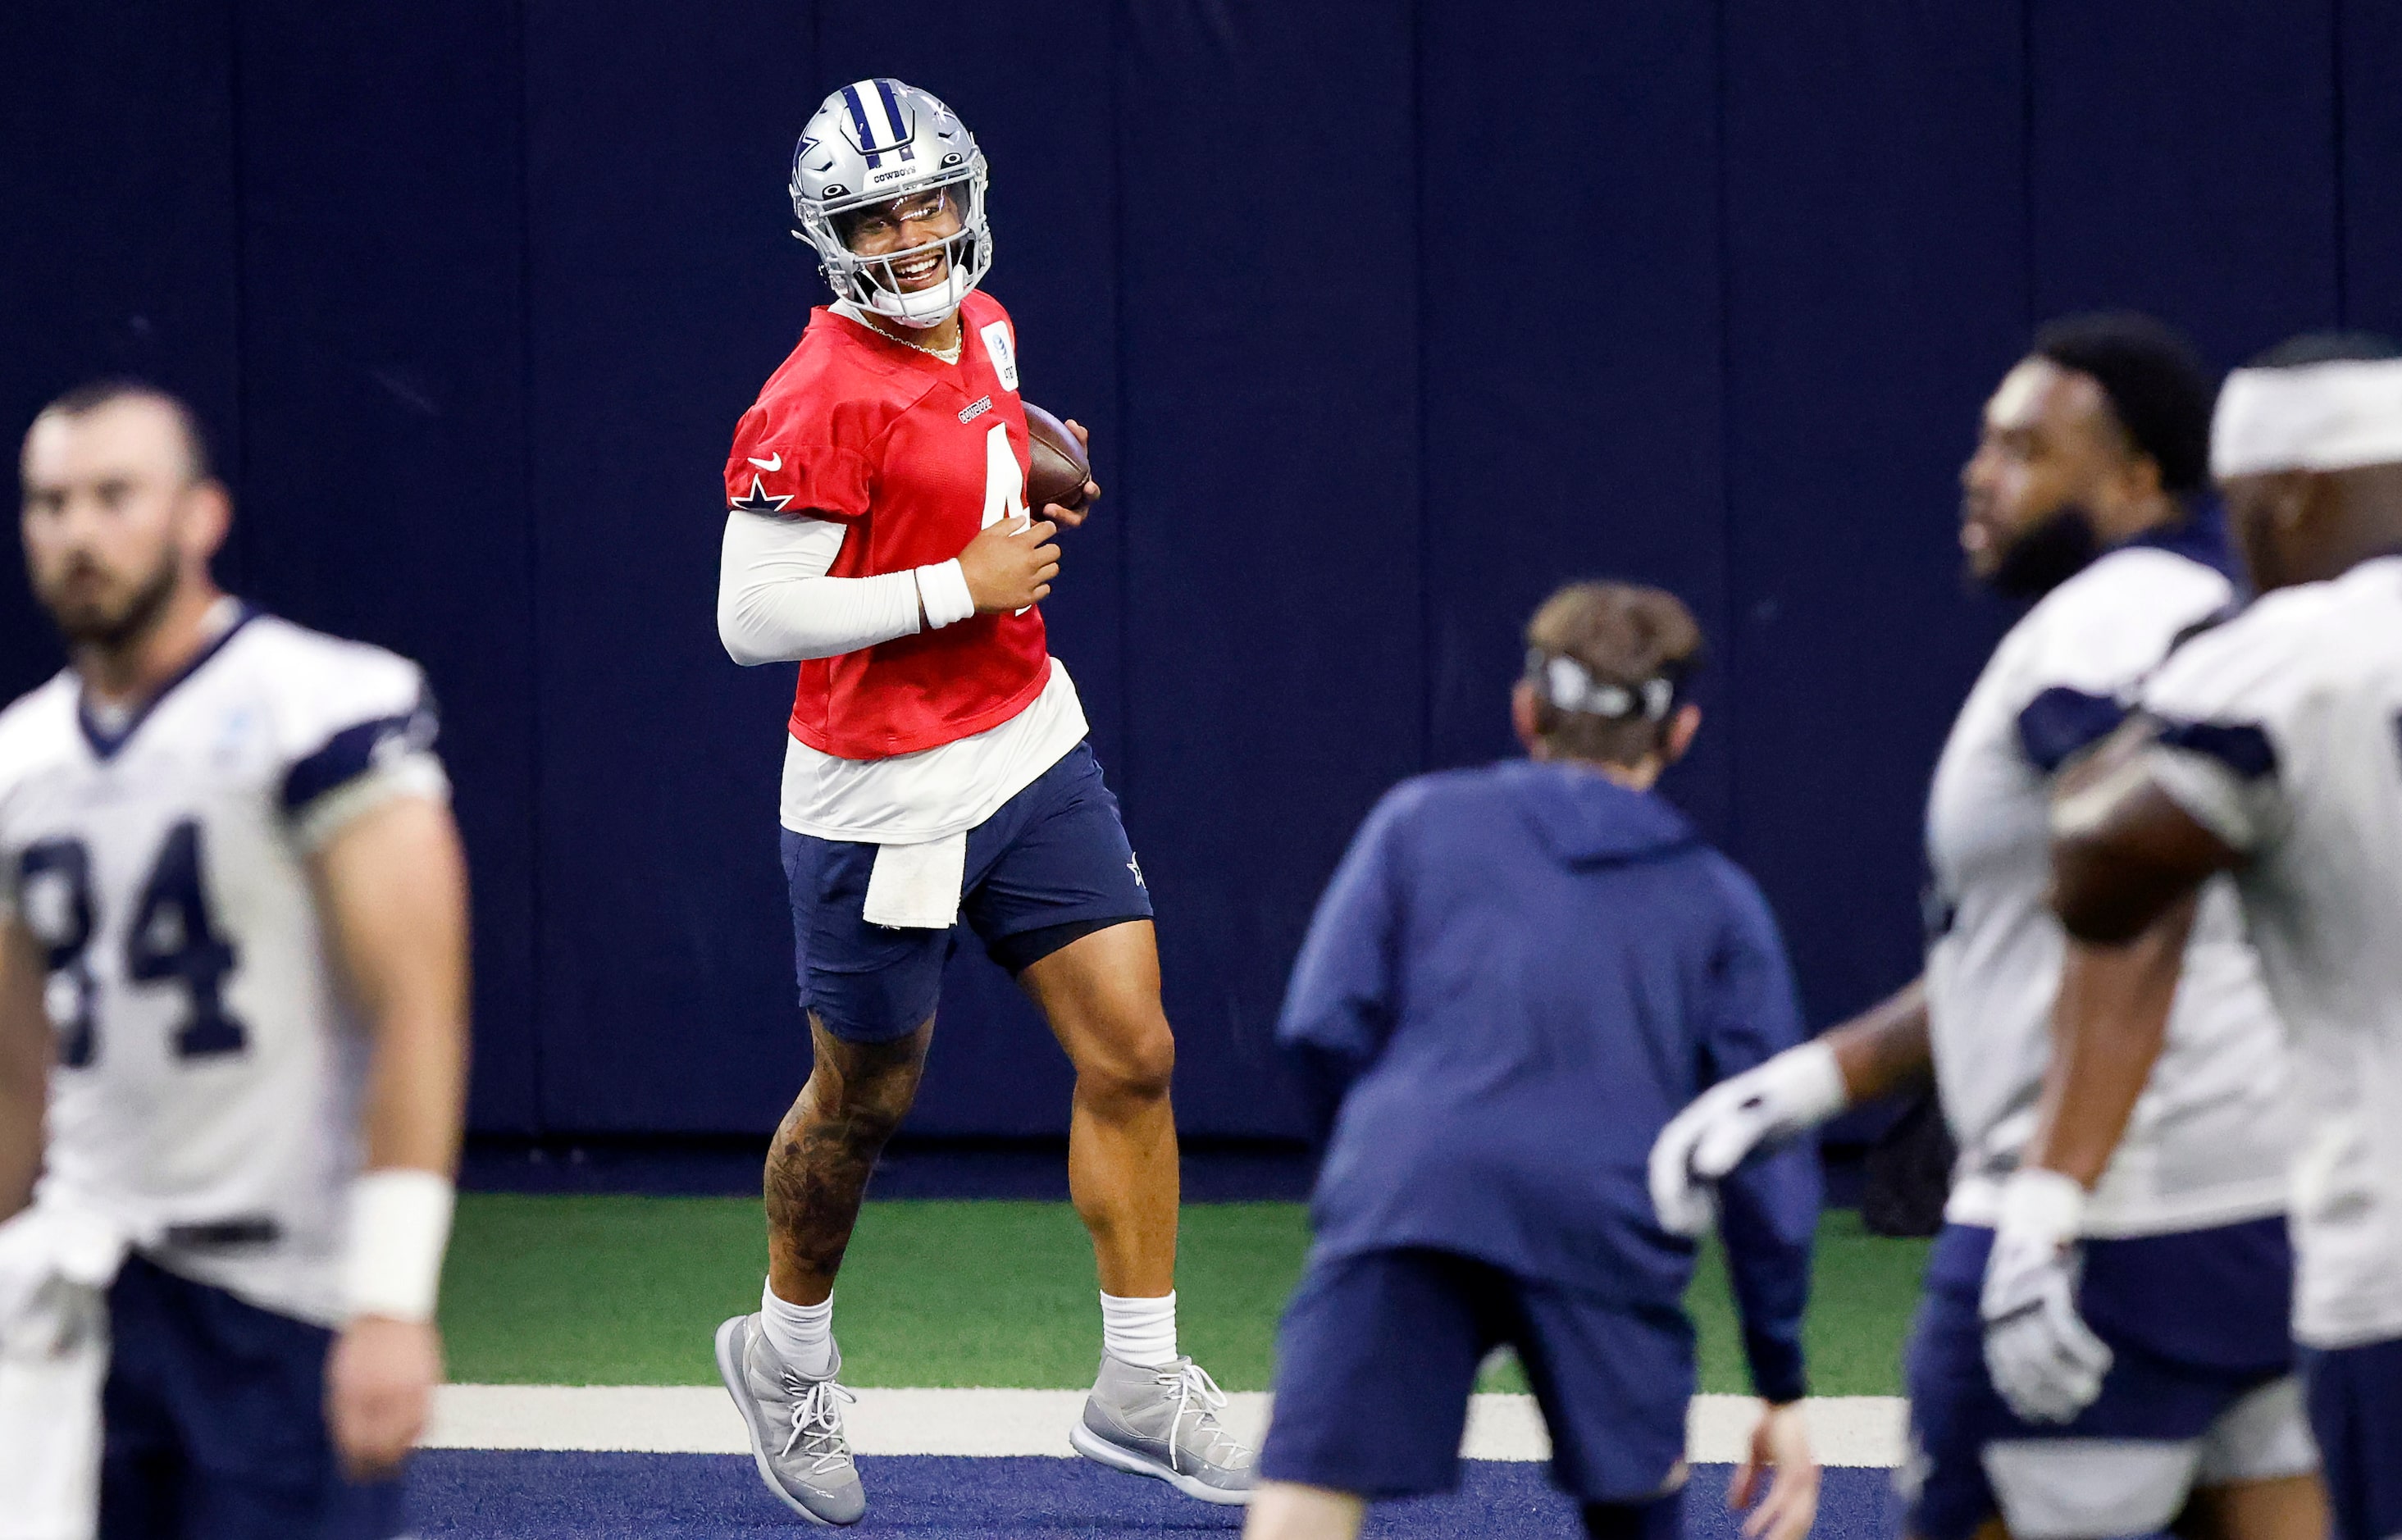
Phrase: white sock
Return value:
(1141, 1332)
(802, 1335)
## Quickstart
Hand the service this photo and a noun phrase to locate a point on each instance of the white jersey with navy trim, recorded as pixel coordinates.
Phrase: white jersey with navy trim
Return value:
(2281, 731)
(208, 1081)
(2207, 1143)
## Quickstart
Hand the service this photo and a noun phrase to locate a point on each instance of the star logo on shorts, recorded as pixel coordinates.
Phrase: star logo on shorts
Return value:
(1135, 866)
(759, 502)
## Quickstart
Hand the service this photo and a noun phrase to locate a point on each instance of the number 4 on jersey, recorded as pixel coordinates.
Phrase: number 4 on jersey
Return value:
(1004, 481)
(172, 937)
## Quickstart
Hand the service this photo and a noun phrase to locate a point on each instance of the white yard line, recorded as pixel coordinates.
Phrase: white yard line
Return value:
(1852, 1430)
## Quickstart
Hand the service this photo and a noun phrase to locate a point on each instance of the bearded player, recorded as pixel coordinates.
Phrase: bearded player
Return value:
(2102, 1349)
(233, 1027)
(936, 771)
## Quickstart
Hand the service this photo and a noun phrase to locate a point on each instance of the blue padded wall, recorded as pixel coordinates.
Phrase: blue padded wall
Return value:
(662, 290)
(118, 170)
(2368, 140)
(1571, 379)
(1268, 341)
(384, 485)
(1875, 292)
(1386, 319)
(2184, 162)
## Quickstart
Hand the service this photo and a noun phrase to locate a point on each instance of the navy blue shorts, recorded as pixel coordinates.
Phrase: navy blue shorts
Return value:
(214, 1422)
(2200, 1389)
(1379, 1351)
(1051, 865)
(2356, 1397)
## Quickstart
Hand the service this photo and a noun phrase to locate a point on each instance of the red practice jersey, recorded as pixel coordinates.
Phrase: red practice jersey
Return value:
(915, 456)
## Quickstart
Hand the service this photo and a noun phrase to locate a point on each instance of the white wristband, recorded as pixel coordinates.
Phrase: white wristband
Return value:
(943, 588)
(1813, 1083)
(399, 1223)
(2041, 1203)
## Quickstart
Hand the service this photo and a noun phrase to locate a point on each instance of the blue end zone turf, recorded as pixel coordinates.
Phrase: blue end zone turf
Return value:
(511, 1495)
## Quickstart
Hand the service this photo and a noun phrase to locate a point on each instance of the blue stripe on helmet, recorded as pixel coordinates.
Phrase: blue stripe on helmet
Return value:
(867, 141)
(892, 113)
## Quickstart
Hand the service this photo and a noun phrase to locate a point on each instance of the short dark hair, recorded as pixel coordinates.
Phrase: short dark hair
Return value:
(93, 394)
(2297, 352)
(2157, 389)
(1622, 634)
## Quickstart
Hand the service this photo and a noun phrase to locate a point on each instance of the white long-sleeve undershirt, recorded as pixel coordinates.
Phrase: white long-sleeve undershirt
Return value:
(776, 604)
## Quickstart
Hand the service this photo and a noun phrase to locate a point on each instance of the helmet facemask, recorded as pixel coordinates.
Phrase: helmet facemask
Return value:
(878, 142)
(874, 282)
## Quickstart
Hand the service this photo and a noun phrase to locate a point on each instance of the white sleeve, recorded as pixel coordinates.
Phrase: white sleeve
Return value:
(776, 604)
(2227, 705)
(413, 773)
(359, 731)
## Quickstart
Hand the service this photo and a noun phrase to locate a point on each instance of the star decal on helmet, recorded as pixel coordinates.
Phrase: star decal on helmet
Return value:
(758, 501)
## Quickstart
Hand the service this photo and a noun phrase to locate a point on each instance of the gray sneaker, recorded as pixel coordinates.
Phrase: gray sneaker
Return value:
(795, 1426)
(1163, 1423)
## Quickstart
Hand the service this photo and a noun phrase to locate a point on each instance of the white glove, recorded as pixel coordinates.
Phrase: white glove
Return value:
(54, 1266)
(2045, 1361)
(1798, 1089)
(46, 1249)
(29, 1270)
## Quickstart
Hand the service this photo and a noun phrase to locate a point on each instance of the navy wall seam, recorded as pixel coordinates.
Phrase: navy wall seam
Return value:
(1129, 774)
(1729, 569)
(2029, 275)
(238, 431)
(529, 469)
(2342, 180)
(1428, 650)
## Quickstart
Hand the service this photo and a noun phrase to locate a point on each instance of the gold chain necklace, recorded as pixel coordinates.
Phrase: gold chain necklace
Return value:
(948, 355)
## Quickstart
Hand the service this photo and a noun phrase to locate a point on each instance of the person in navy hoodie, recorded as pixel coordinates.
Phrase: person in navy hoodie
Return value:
(1517, 975)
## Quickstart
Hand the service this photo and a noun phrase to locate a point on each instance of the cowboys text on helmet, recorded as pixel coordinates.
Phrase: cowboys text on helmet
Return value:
(888, 186)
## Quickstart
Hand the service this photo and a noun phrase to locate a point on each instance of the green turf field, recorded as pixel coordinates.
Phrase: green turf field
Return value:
(625, 1290)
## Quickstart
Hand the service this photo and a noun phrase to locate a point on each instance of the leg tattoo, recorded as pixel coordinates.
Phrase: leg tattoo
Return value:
(825, 1149)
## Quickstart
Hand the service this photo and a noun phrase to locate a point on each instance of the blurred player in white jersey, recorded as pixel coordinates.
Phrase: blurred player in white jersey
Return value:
(2102, 1350)
(2271, 748)
(233, 985)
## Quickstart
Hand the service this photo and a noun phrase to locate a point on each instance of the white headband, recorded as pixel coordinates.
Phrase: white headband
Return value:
(1571, 686)
(2315, 417)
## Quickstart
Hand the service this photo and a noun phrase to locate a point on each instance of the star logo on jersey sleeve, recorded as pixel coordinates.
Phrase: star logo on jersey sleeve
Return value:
(758, 499)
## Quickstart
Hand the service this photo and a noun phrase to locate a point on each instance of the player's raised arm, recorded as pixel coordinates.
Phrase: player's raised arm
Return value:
(24, 1063)
(392, 886)
(2125, 851)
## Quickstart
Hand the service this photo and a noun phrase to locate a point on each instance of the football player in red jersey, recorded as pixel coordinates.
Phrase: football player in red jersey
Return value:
(936, 770)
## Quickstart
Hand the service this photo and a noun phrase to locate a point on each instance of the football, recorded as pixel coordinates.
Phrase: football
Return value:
(1059, 470)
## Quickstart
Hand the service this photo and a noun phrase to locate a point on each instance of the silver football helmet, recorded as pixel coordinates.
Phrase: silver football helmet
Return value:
(873, 143)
